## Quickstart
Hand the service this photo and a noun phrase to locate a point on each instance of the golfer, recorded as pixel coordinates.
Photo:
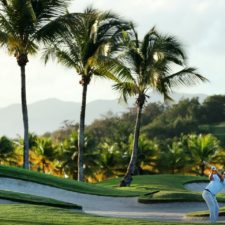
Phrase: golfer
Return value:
(209, 194)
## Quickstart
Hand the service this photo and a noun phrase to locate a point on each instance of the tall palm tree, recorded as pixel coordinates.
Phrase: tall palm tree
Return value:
(93, 36)
(148, 65)
(22, 24)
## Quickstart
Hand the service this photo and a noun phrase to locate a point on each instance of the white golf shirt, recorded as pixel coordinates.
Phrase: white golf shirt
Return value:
(215, 185)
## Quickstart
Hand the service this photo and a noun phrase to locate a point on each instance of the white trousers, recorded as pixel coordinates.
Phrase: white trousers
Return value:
(212, 204)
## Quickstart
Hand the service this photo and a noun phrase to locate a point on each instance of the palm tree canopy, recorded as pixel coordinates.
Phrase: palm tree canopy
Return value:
(203, 147)
(23, 22)
(150, 64)
(92, 34)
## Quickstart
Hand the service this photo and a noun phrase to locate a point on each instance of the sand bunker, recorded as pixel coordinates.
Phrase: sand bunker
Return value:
(106, 206)
(198, 187)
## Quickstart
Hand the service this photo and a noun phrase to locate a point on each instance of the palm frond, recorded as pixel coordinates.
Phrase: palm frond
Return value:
(53, 29)
(127, 89)
(112, 69)
(3, 38)
(5, 25)
(185, 77)
(65, 58)
(4, 3)
(48, 53)
(48, 10)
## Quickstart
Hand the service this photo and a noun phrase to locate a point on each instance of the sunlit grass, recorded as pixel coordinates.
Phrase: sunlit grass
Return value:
(67, 184)
(162, 188)
(43, 215)
(36, 200)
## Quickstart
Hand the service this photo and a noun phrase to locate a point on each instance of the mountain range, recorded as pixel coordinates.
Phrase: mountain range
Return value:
(49, 115)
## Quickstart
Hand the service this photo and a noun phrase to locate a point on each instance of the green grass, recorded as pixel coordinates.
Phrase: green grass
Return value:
(205, 213)
(155, 182)
(67, 184)
(162, 188)
(171, 196)
(43, 215)
(36, 200)
(150, 188)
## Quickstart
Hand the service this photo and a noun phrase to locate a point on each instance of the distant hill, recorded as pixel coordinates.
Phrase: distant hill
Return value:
(48, 115)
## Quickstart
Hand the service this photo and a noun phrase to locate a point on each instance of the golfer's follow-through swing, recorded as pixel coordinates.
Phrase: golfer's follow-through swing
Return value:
(215, 185)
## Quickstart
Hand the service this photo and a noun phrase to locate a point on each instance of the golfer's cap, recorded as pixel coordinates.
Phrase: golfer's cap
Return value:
(213, 168)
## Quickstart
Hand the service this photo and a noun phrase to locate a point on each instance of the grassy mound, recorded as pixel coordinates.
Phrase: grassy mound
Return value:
(36, 200)
(149, 188)
(67, 184)
(162, 188)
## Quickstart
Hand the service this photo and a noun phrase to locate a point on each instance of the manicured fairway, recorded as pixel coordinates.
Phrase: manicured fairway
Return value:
(162, 188)
(44, 215)
(149, 188)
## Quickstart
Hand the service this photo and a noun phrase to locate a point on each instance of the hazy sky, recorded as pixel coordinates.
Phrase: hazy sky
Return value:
(198, 24)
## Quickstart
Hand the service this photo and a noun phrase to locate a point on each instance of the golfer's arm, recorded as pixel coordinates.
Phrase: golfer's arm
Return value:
(210, 176)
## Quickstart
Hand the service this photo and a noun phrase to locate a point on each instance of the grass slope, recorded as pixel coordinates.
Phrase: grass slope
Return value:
(67, 184)
(162, 188)
(36, 200)
(149, 188)
(42, 215)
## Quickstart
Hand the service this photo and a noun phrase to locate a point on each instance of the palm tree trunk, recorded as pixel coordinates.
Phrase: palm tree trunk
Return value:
(202, 166)
(80, 161)
(131, 167)
(25, 118)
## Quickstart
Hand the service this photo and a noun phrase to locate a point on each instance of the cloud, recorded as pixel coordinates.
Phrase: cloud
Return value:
(198, 24)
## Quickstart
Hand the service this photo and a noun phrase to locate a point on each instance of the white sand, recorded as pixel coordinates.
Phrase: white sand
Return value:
(198, 187)
(106, 206)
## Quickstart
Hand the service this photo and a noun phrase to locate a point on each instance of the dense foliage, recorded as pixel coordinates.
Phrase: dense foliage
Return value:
(174, 139)
(150, 138)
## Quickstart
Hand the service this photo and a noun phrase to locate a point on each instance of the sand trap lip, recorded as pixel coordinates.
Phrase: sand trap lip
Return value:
(106, 206)
(198, 187)
(5, 201)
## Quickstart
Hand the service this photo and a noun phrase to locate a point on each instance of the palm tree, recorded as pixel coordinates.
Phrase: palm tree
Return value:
(202, 148)
(149, 65)
(6, 150)
(174, 155)
(95, 34)
(23, 23)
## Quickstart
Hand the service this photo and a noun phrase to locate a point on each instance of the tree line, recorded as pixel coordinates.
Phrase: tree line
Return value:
(94, 43)
(109, 142)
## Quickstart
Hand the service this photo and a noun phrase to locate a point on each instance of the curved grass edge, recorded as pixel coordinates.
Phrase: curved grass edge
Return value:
(185, 195)
(196, 181)
(36, 200)
(170, 196)
(25, 214)
(62, 183)
(204, 213)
